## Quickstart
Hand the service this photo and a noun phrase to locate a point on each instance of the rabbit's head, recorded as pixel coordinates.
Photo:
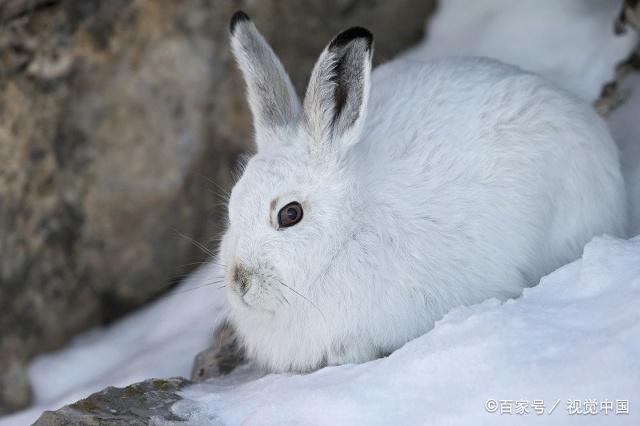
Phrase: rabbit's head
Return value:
(292, 210)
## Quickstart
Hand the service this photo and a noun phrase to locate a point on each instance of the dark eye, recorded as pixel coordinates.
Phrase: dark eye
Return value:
(290, 214)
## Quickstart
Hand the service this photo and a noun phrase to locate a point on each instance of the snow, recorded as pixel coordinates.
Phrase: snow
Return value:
(575, 336)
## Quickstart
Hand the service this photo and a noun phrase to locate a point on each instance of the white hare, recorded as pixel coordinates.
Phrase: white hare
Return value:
(385, 199)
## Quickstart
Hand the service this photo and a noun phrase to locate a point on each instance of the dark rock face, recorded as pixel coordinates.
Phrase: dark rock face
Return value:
(137, 404)
(120, 124)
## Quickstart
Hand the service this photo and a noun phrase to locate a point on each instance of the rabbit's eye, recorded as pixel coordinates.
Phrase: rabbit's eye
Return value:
(290, 214)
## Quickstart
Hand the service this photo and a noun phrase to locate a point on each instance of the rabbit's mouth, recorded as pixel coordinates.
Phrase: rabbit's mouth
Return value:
(257, 288)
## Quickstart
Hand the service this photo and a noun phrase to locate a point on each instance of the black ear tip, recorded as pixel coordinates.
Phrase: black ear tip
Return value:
(351, 34)
(238, 17)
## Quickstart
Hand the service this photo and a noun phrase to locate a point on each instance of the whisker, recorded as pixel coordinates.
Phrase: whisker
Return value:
(199, 287)
(179, 277)
(303, 296)
(184, 265)
(195, 243)
(223, 190)
(285, 299)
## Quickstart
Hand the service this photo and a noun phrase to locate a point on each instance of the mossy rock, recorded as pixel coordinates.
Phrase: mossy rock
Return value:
(136, 404)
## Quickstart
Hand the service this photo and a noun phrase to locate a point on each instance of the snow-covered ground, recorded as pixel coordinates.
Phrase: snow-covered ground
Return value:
(575, 336)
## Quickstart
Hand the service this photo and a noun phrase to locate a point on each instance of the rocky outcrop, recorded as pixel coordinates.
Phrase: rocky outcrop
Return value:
(109, 134)
(120, 123)
(143, 403)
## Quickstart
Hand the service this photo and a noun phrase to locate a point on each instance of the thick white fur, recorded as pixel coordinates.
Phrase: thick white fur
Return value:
(469, 179)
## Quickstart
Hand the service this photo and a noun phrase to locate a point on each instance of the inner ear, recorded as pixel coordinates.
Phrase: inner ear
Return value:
(340, 93)
(349, 81)
(336, 97)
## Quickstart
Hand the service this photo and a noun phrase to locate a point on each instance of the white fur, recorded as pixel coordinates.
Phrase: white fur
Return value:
(469, 179)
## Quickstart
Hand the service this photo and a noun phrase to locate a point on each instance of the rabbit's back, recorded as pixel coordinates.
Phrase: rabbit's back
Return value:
(494, 176)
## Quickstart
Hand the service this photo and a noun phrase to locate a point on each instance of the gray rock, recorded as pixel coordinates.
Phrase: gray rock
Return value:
(629, 16)
(109, 135)
(14, 384)
(120, 124)
(137, 404)
(611, 96)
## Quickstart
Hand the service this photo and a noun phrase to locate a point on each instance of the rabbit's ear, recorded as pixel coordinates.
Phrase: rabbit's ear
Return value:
(336, 98)
(272, 98)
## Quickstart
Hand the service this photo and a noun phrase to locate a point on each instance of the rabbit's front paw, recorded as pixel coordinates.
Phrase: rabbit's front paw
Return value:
(222, 357)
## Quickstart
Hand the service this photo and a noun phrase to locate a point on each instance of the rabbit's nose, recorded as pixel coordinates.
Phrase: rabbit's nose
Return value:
(240, 278)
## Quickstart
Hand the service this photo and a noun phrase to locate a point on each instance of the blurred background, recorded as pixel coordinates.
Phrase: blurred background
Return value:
(122, 122)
